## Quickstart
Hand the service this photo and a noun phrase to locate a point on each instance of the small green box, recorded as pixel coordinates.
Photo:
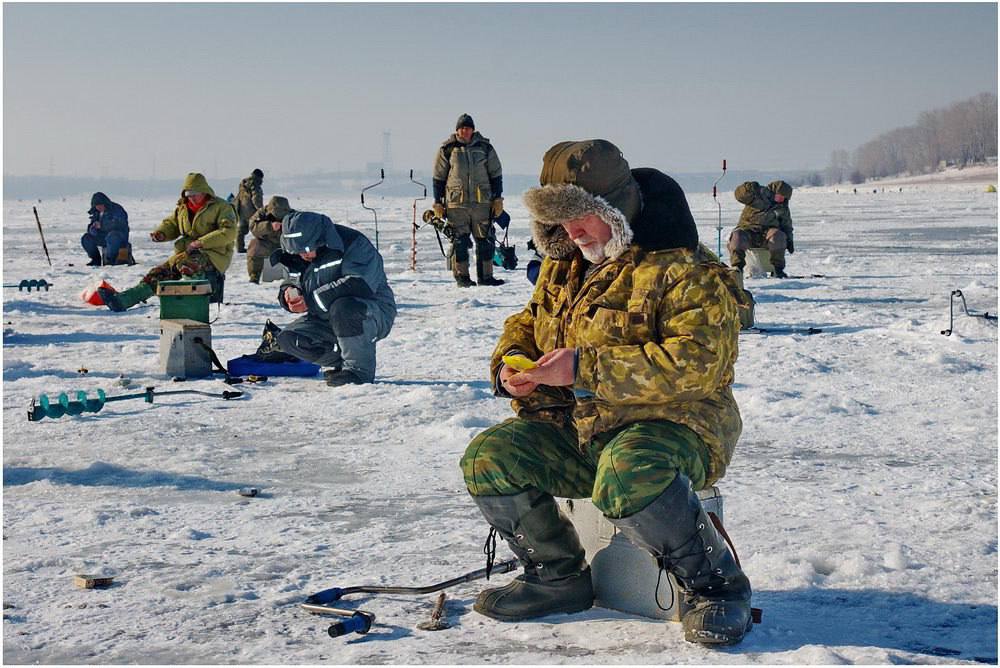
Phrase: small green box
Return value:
(184, 300)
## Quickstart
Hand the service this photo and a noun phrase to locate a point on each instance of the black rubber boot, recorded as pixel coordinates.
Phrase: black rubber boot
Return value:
(677, 530)
(491, 281)
(779, 272)
(556, 576)
(337, 377)
(460, 269)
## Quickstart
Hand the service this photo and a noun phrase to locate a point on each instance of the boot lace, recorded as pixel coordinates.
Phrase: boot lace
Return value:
(490, 550)
(667, 562)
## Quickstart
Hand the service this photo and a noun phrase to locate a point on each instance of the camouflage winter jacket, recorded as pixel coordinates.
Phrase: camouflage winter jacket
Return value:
(656, 331)
(761, 211)
(214, 225)
(467, 175)
(249, 198)
(266, 239)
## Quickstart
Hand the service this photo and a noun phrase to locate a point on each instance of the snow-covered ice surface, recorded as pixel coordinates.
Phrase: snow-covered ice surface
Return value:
(862, 497)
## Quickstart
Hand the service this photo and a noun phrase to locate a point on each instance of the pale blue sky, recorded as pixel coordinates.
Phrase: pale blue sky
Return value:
(106, 89)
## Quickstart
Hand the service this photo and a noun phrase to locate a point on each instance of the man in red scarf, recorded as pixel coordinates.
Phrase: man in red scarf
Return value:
(203, 229)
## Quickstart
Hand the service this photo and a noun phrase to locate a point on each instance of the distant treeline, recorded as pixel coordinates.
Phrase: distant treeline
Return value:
(963, 134)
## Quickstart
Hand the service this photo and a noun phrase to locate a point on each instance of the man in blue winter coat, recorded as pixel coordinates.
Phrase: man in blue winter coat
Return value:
(108, 228)
(338, 283)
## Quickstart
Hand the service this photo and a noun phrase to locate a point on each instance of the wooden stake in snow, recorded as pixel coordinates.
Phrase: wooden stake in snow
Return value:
(44, 247)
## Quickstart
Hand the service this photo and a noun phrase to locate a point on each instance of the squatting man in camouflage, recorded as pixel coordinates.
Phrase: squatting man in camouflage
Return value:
(339, 284)
(634, 327)
(765, 223)
(468, 193)
(265, 226)
(203, 229)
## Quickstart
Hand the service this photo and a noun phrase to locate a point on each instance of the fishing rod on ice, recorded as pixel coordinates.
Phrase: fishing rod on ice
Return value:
(364, 206)
(413, 230)
(719, 204)
(360, 621)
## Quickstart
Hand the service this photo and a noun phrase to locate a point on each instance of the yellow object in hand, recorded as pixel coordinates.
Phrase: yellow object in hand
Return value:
(519, 362)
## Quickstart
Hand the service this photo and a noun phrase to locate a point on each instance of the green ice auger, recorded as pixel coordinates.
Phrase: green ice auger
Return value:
(44, 407)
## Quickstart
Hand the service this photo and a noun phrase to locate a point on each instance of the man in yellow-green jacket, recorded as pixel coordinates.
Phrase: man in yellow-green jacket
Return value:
(634, 328)
(203, 229)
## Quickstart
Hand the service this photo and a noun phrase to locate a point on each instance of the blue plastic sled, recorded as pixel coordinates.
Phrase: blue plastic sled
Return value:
(247, 365)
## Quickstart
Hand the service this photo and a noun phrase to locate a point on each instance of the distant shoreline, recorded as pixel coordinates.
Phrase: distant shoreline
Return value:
(954, 176)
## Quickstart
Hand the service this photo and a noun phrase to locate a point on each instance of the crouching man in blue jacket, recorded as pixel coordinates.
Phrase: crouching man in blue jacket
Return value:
(108, 228)
(338, 282)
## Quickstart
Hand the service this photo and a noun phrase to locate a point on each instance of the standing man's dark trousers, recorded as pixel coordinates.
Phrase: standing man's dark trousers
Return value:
(344, 340)
(773, 239)
(468, 224)
(92, 243)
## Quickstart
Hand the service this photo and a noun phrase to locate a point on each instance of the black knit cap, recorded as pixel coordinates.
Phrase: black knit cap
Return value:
(259, 174)
(465, 121)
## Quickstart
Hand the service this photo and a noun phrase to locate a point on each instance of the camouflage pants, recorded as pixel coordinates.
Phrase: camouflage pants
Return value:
(773, 239)
(178, 266)
(622, 471)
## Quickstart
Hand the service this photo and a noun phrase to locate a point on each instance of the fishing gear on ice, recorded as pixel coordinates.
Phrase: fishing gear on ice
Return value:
(44, 407)
(951, 312)
(360, 621)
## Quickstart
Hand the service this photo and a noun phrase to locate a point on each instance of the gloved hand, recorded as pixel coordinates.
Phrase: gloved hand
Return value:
(496, 206)
(157, 236)
(438, 209)
(294, 299)
(790, 246)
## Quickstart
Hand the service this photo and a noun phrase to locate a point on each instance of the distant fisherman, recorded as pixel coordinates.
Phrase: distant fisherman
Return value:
(765, 223)
(248, 201)
(265, 226)
(108, 229)
(468, 193)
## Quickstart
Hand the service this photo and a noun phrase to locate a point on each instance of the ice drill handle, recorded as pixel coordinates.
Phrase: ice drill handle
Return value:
(357, 623)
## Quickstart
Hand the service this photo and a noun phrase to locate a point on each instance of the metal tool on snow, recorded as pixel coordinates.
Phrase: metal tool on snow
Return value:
(42, 235)
(30, 284)
(44, 407)
(781, 330)
(413, 243)
(364, 206)
(719, 204)
(360, 621)
(951, 312)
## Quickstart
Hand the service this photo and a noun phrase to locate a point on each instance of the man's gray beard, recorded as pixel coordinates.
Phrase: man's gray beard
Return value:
(594, 255)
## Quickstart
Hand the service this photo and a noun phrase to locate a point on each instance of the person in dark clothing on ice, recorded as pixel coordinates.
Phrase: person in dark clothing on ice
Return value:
(108, 229)
(339, 285)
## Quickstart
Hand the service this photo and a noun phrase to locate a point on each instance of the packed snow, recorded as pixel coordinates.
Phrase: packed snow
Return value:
(862, 497)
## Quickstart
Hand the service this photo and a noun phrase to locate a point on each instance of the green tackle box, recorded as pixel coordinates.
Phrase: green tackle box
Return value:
(184, 299)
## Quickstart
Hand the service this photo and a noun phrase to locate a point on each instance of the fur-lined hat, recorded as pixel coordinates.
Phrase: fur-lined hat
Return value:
(580, 178)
